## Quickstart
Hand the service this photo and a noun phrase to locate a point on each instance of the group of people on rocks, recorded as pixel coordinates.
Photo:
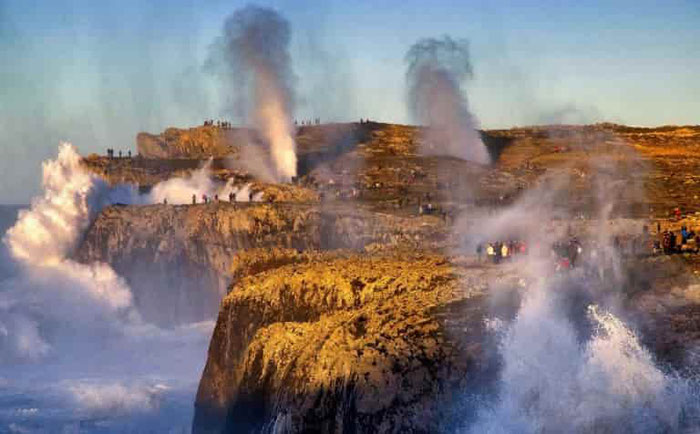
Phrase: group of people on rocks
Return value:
(426, 209)
(110, 153)
(308, 122)
(669, 243)
(231, 198)
(499, 251)
(567, 253)
(207, 199)
(226, 125)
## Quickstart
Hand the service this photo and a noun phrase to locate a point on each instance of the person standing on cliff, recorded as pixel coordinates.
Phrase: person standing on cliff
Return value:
(194, 199)
(504, 250)
(491, 252)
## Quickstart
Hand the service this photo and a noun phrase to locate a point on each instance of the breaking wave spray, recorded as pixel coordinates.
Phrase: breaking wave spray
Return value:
(568, 363)
(72, 339)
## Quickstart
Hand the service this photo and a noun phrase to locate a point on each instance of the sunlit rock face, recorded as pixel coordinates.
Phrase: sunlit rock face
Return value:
(344, 343)
(183, 254)
(384, 334)
(199, 142)
(406, 342)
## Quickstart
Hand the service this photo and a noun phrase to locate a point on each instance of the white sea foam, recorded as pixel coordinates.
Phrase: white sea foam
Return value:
(73, 329)
(551, 382)
(565, 373)
(117, 398)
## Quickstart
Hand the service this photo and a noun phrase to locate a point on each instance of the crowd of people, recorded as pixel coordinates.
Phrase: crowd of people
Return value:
(499, 251)
(110, 153)
(232, 196)
(568, 254)
(308, 122)
(669, 242)
(226, 125)
(205, 199)
(304, 123)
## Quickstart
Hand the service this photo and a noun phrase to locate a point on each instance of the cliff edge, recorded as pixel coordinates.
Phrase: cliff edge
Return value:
(192, 143)
(346, 344)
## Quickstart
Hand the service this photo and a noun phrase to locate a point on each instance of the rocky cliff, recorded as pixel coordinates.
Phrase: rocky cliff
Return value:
(393, 342)
(347, 344)
(192, 143)
(183, 254)
(664, 160)
(341, 315)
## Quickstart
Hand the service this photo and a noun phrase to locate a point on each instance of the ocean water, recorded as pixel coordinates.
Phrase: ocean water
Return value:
(8, 215)
(75, 353)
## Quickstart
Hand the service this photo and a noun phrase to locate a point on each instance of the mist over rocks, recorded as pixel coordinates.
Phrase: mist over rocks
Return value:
(436, 73)
(310, 322)
(252, 56)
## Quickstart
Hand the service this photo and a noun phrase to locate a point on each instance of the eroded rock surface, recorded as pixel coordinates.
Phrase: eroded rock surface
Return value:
(340, 315)
(198, 142)
(347, 344)
(184, 253)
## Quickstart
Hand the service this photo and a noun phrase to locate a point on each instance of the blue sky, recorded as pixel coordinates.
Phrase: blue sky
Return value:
(97, 72)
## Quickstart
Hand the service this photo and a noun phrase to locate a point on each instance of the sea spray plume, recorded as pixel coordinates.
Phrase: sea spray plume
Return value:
(71, 336)
(179, 191)
(560, 373)
(437, 68)
(48, 231)
(254, 53)
(41, 242)
(551, 383)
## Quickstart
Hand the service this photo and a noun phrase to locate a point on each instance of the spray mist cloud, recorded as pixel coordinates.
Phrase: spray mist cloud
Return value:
(51, 283)
(72, 334)
(436, 70)
(562, 371)
(253, 53)
(51, 287)
(180, 190)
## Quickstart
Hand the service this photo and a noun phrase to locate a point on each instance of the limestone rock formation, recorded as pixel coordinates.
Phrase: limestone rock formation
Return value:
(185, 253)
(192, 143)
(346, 344)
(343, 313)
